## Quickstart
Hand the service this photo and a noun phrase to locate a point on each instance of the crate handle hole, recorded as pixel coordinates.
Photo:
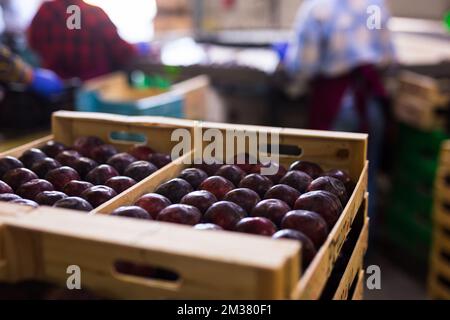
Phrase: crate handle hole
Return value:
(124, 137)
(446, 207)
(145, 271)
(283, 149)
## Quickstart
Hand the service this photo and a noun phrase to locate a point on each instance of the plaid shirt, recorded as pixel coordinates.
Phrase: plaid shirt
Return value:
(94, 49)
(332, 38)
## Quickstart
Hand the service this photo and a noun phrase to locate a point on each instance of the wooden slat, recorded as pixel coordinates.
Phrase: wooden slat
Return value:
(359, 291)
(17, 152)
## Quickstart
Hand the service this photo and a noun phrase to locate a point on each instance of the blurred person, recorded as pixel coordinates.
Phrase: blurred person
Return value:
(336, 52)
(92, 50)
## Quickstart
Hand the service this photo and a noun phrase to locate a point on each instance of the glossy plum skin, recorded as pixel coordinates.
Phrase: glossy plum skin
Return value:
(98, 195)
(218, 186)
(41, 168)
(153, 203)
(101, 174)
(310, 168)
(5, 188)
(324, 203)
(207, 226)
(75, 188)
(194, 176)
(49, 198)
(332, 185)
(84, 145)
(84, 165)
(343, 177)
(139, 170)
(31, 156)
(8, 163)
(32, 188)
(225, 214)
(297, 179)
(309, 223)
(132, 212)
(275, 178)
(68, 157)
(25, 202)
(243, 197)
(53, 148)
(180, 214)
(210, 168)
(141, 152)
(74, 203)
(200, 199)
(17, 177)
(258, 183)
(272, 209)
(6, 197)
(159, 159)
(59, 177)
(102, 153)
(121, 161)
(120, 183)
(232, 173)
(256, 225)
(284, 193)
(308, 250)
(174, 189)
(246, 162)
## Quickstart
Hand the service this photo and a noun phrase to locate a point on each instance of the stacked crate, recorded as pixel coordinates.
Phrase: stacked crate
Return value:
(439, 275)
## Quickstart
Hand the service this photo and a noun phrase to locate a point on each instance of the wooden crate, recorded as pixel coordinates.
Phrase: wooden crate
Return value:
(421, 101)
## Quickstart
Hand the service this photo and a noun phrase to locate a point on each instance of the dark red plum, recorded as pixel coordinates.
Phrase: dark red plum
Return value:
(120, 183)
(243, 197)
(181, 214)
(139, 170)
(159, 159)
(84, 145)
(102, 153)
(283, 192)
(218, 186)
(75, 188)
(332, 185)
(200, 199)
(17, 177)
(153, 203)
(6, 197)
(8, 163)
(31, 156)
(343, 177)
(309, 223)
(174, 189)
(256, 225)
(310, 168)
(308, 250)
(297, 179)
(210, 168)
(84, 165)
(194, 176)
(68, 157)
(121, 161)
(207, 226)
(53, 148)
(59, 177)
(41, 168)
(49, 198)
(141, 152)
(29, 190)
(275, 178)
(5, 188)
(225, 214)
(324, 203)
(232, 173)
(272, 209)
(101, 174)
(74, 203)
(246, 162)
(25, 202)
(132, 212)
(98, 195)
(258, 183)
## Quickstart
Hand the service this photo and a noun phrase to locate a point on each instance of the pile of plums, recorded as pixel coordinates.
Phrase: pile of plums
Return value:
(302, 203)
(80, 177)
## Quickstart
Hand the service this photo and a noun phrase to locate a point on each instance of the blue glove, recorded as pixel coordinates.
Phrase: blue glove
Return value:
(281, 49)
(143, 48)
(46, 83)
